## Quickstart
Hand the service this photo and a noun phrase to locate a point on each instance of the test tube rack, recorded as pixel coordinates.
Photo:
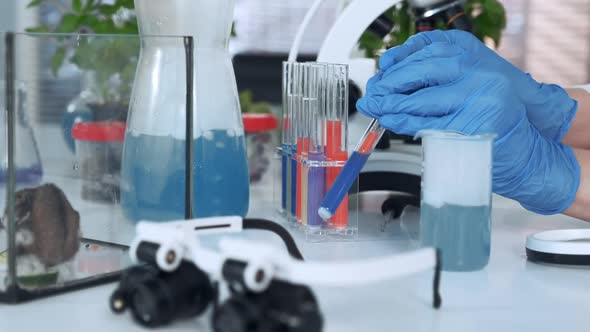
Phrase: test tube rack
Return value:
(314, 150)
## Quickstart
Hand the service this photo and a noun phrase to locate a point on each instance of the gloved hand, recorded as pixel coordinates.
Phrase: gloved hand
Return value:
(548, 106)
(444, 86)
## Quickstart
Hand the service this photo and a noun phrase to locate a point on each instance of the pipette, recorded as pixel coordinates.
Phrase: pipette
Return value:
(351, 170)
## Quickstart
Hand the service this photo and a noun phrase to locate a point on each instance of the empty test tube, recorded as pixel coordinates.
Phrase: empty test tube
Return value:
(338, 191)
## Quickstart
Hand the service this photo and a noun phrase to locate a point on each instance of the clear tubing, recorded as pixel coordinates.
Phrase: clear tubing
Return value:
(338, 191)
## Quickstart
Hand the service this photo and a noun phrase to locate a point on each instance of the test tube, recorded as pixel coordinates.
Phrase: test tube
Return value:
(285, 139)
(334, 198)
(336, 134)
(300, 137)
(306, 92)
(294, 102)
(316, 177)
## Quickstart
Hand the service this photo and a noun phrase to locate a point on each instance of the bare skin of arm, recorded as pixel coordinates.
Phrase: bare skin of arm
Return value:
(581, 207)
(578, 135)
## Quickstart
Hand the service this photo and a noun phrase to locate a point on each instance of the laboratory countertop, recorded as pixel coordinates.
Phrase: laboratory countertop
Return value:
(510, 294)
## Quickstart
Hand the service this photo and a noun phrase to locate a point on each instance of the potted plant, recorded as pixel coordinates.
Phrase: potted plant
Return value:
(107, 64)
(488, 17)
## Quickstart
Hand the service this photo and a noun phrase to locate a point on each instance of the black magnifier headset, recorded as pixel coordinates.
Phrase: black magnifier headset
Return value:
(564, 247)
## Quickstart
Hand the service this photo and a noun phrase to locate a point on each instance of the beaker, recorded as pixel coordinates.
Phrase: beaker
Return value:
(28, 169)
(154, 171)
(455, 210)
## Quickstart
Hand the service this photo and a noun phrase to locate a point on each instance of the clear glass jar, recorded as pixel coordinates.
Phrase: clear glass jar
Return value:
(154, 173)
(99, 147)
(455, 209)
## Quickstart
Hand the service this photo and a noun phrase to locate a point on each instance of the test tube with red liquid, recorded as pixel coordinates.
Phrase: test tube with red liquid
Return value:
(336, 135)
(335, 199)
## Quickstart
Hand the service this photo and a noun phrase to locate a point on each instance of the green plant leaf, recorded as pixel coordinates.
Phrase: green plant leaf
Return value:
(57, 60)
(77, 5)
(260, 107)
(248, 105)
(68, 24)
(489, 22)
(371, 43)
(35, 3)
(129, 28)
(89, 5)
(233, 30)
(108, 10)
(246, 98)
(39, 29)
(104, 27)
(129, 4)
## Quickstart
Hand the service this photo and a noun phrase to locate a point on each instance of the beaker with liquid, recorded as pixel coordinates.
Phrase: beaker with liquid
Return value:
(455, 210)
(154, 154)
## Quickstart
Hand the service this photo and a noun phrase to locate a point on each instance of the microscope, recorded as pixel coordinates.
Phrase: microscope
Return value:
(395, 166)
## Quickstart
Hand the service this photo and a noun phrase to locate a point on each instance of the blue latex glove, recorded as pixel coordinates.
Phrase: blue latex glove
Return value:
(548, 106)
(443, 86)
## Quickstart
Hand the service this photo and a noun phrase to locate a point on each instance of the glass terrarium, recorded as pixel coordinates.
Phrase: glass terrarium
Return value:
(62, 224)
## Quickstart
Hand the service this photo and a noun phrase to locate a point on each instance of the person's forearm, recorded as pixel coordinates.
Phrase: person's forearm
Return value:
(578, 135)
(581, 206)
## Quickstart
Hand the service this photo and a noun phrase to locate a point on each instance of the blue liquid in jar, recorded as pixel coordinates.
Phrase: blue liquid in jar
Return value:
(462, 233)
(153, 177)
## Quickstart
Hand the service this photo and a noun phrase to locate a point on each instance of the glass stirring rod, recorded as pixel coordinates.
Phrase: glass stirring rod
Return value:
(351, 170)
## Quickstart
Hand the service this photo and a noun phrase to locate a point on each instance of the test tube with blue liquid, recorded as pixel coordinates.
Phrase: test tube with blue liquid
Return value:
(289, 139)
(339, 189)
(286, 138)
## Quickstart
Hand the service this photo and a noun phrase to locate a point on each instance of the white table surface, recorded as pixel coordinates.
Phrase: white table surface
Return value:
(510, 294)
